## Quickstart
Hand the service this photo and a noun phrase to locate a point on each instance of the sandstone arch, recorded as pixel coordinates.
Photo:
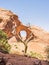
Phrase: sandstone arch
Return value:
(12, 23)
(21, 28)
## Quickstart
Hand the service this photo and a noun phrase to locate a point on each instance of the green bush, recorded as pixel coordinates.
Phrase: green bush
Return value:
(36, 55)
(3, 42)
(47, 51)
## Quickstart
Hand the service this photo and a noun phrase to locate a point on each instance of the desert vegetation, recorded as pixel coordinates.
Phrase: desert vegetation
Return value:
(4, 46)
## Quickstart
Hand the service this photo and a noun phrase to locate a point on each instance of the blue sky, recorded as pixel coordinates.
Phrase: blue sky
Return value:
(35, 12)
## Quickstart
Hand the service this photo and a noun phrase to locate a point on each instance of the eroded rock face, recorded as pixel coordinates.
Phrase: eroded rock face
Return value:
(25, 28)
(37, 39)
(39, 45)
(9, 59)
(17, 47)
(8, 21)
(35, 47)
(11, 25)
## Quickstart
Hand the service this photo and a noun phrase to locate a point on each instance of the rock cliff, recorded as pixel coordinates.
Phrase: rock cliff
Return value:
(36, 43)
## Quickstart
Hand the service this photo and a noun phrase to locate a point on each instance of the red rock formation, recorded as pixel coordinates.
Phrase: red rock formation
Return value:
(12, 23)
(25, 28)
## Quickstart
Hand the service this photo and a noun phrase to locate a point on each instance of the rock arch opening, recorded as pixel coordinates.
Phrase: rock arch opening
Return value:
(23, 34)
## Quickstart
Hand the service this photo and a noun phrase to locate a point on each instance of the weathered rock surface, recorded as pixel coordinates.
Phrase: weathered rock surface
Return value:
(9, 59)
(8, 22)
(4, 17)
(37, 44)
(17, 47)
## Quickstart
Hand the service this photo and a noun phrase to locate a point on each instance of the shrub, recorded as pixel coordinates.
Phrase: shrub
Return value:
(4, 46)
(47, 51)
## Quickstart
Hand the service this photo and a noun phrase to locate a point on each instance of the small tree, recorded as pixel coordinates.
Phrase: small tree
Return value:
(25, 43)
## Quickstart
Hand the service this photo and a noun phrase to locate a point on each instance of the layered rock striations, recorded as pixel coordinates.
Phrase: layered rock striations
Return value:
(36, 43)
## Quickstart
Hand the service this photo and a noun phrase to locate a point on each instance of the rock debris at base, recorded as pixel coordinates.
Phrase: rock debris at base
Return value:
(13, 59)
